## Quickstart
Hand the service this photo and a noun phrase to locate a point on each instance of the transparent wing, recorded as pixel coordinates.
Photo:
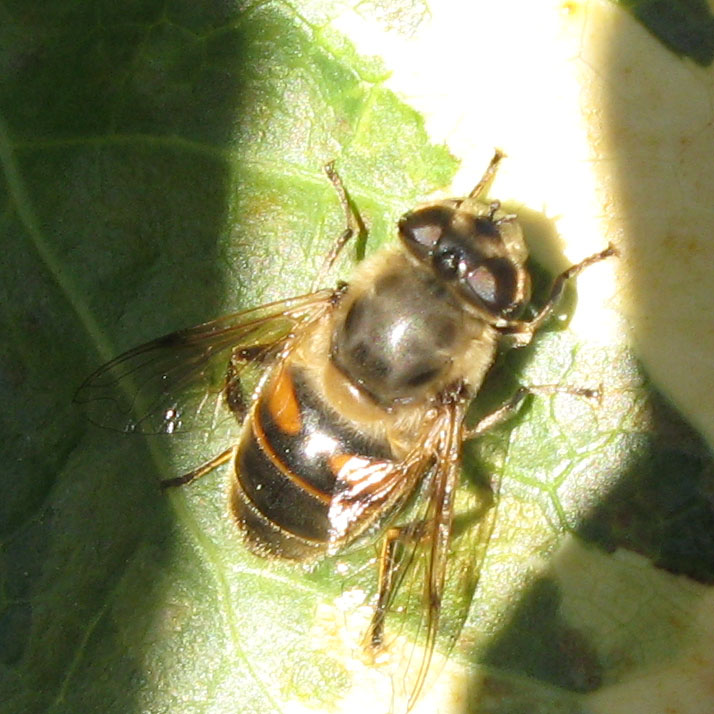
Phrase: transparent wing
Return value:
(176, 382)
(421, 565)
(430, 560)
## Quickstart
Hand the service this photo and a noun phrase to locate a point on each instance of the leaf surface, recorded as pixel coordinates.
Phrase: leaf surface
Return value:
(162, 165)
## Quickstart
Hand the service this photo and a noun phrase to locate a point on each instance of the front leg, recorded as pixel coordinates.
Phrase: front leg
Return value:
(522, 331)
(354, 226)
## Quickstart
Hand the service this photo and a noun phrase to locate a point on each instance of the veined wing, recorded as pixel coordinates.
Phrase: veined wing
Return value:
(176, 382)
(432, 558)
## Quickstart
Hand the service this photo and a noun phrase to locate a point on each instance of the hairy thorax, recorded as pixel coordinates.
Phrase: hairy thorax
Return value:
(395, 344)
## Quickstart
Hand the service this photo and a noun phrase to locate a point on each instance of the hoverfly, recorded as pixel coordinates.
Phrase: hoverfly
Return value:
(361, 394)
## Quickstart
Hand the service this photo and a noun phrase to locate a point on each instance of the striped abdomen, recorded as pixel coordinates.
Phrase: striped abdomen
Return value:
(293, 453)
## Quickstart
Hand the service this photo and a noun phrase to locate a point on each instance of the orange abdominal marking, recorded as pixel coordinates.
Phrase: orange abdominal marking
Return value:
(339, 461)
(274, 458)
(283, 404)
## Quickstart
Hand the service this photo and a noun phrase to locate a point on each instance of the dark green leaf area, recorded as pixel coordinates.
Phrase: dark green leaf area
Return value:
(662, 505)
(557, 653)
(62, 564)
(684, 26)
(162, 165)
(98, 69)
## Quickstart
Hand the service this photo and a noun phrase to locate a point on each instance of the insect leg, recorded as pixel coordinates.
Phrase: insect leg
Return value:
(488, 175)
(390, 561)
(426, 541)
(513, 405)
(233, 389)
(233, 392)
(523, 331)
(202, 470)
(500, 415)
(353, 225)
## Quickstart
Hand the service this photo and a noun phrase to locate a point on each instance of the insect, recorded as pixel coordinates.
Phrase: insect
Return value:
(360, 394)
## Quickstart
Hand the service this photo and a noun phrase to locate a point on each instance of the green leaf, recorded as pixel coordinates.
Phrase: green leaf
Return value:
(162, 165)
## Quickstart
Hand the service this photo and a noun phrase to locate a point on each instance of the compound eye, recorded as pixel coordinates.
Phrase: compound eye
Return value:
(426, 236)
(494, 283)
(483, 283)
(421, 230)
